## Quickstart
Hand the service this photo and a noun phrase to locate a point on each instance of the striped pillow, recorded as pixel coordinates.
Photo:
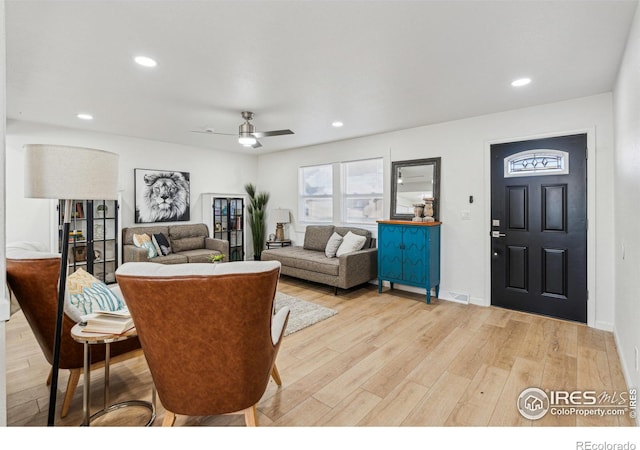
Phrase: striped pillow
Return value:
(87, 294)
(144, 241)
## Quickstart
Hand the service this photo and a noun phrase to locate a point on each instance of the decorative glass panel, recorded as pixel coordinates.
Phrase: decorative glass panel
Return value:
(536, 163)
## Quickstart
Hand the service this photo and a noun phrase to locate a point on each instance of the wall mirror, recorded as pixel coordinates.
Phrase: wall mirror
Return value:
(411, 182)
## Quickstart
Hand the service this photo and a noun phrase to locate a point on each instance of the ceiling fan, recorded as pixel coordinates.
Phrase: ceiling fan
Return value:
(247, 136)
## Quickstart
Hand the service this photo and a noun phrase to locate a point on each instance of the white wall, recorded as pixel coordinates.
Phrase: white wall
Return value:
(627, 202)
(210, 171)
(4, 302)
(463, 145)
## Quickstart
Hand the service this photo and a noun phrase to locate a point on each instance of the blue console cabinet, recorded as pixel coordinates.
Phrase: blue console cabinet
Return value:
(409, 254)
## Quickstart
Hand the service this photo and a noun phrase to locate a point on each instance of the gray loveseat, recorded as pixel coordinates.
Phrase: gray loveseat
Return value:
(190, 243)
(309, 262)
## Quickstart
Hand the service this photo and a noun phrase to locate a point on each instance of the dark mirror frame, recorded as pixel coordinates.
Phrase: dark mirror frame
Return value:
(398, 165)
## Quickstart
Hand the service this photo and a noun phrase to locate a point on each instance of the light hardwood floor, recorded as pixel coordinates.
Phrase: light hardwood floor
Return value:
(384, 360)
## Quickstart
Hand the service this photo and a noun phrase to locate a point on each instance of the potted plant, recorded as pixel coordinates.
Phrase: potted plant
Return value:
(102, 210)
(257, 210)
(216, 258)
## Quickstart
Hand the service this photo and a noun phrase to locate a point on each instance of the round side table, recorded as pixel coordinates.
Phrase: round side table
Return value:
(89, 339)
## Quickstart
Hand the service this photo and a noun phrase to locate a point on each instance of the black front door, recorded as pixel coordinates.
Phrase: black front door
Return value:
(539, 226)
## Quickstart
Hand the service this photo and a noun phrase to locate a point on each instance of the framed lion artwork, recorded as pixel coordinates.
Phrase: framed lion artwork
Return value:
(161, 196)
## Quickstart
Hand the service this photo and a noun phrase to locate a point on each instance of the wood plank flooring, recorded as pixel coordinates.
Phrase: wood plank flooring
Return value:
(384, 360)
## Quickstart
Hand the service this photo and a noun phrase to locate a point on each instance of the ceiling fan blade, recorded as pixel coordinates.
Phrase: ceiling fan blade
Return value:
(261, 134)
(213, 132)
(257, 145)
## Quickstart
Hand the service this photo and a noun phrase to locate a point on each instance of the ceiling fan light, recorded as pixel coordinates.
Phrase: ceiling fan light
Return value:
(247, 141)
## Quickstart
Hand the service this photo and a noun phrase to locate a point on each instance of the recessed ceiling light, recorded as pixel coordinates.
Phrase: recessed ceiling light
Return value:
(84, 116)
(145, 61)
(337, 124)
(521, 82)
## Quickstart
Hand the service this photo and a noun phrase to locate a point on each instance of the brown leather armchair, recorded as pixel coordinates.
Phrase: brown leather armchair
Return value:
(33, 279)
(208, 331)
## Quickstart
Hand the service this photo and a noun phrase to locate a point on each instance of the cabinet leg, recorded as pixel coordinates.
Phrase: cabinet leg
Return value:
(437, 291)
(428, 296)
(379, 286)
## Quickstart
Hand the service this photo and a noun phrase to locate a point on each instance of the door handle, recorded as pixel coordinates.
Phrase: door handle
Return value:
(496, 234)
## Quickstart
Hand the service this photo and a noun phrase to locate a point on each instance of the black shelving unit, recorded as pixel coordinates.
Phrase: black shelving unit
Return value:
(93, 239)
(228, 224)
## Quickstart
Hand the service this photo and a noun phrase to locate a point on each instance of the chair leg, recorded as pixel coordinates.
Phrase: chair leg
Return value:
(169, 419)
(251, 416)
(276, 375)
(74, 377)
(50, 377)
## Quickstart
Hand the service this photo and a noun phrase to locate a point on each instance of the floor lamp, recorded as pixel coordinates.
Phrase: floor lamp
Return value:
(67, 173)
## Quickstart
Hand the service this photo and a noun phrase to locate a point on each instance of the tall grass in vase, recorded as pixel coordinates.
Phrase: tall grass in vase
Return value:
(257, 210)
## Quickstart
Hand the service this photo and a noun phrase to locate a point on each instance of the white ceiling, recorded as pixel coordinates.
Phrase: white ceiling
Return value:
(377, 66)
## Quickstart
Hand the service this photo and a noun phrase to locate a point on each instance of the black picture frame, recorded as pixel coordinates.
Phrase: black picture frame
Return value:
(162, 196)
(79, 254)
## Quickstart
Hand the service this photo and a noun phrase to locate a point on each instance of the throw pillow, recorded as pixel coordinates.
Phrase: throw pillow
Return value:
(156, 245)
(87, 294)
(317, 236)
(144, 241)
(332, 245)
(350, 243)
(162, 244)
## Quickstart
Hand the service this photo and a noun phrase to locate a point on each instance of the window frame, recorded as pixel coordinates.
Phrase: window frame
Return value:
(339, 197)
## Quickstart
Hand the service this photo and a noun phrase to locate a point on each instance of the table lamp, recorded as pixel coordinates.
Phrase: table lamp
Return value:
(280, 216)
(67, 173)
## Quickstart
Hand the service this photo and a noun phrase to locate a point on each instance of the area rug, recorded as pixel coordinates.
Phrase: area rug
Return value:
(303, 313)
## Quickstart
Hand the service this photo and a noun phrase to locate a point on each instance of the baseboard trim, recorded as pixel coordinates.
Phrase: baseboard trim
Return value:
(625, 369)
(454, 297)
(605, 326)
(464, 299)
(480, 302)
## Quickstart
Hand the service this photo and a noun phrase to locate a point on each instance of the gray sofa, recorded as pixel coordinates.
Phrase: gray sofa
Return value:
(309, 262)
(190, 243)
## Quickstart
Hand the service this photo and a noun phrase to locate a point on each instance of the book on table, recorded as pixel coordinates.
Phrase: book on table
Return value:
(108, 322)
